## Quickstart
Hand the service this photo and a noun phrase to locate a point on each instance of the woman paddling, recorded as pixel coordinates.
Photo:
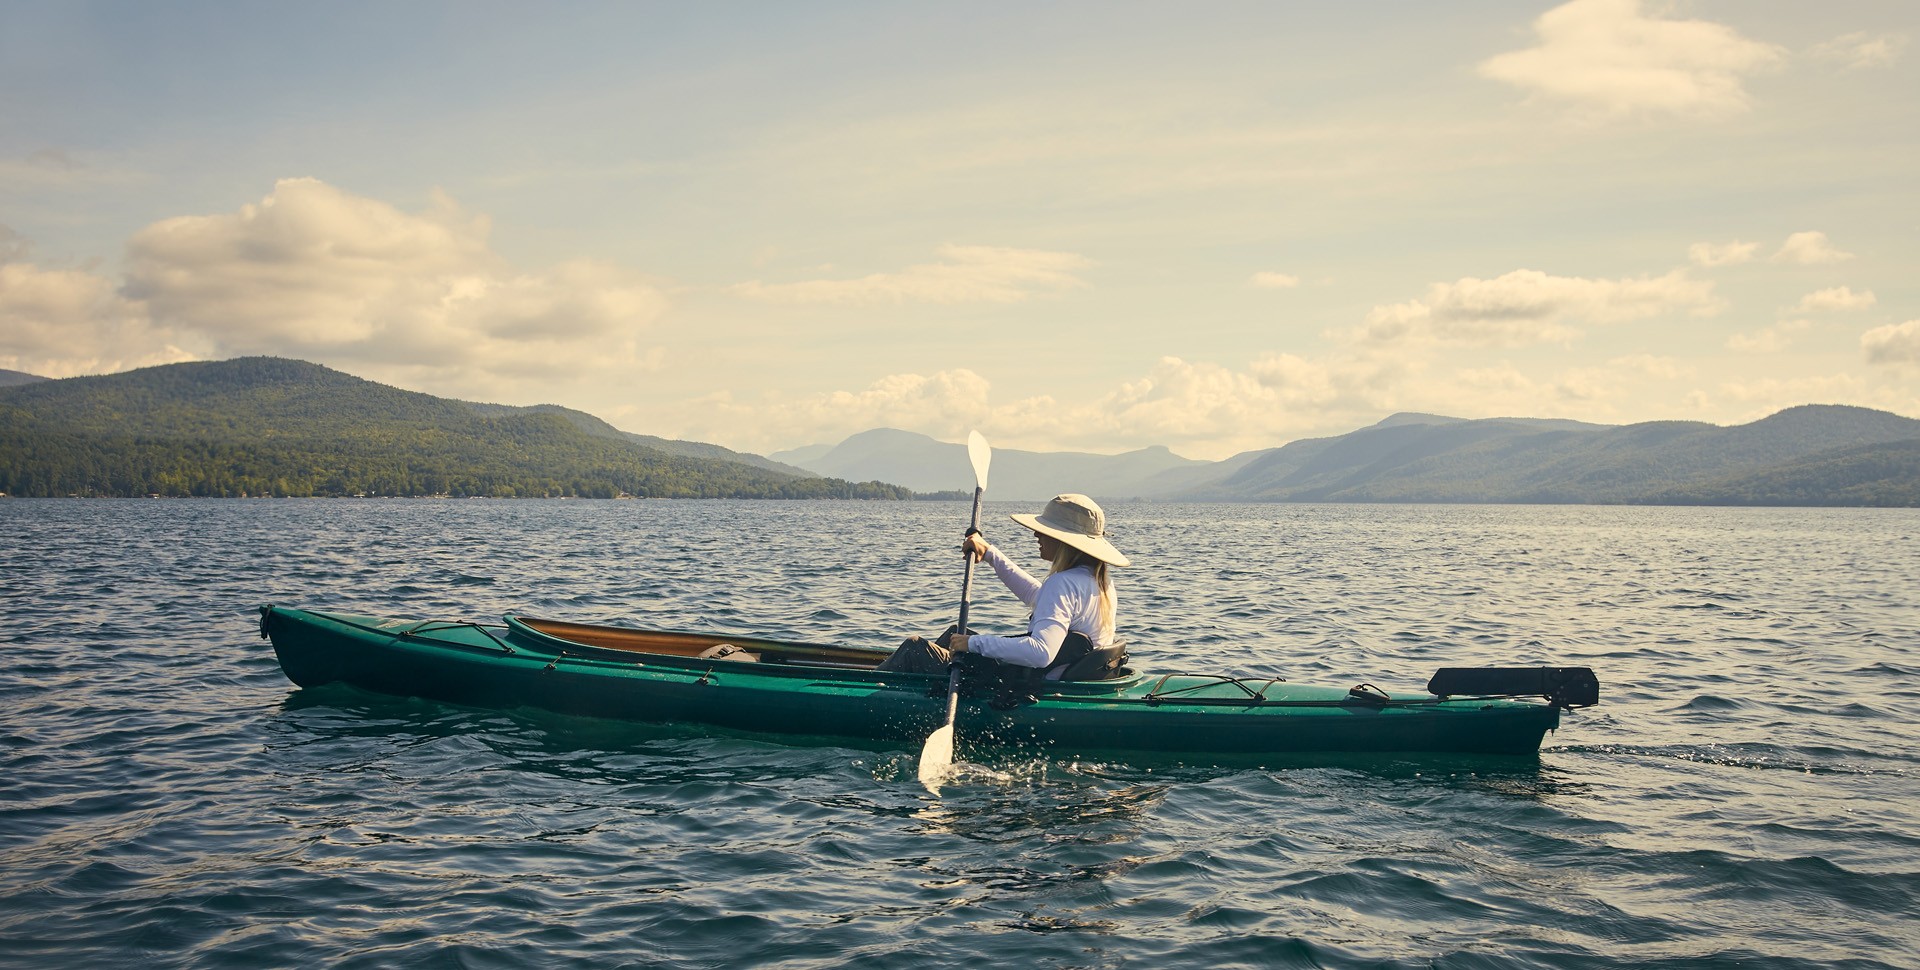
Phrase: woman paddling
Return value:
(1073, 608)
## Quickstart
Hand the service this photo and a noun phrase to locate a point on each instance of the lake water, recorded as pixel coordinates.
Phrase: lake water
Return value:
(1744, 795)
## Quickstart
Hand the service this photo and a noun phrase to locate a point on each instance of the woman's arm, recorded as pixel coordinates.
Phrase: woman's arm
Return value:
(1055, 604)
(1017, 580)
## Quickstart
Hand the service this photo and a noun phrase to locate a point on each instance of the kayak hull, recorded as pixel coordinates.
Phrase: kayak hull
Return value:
(832, 692)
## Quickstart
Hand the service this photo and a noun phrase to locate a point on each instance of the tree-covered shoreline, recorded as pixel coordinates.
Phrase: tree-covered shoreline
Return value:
(270, 427)
(48, 465)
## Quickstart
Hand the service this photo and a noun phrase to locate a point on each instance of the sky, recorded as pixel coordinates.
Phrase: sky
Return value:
(1076, 226)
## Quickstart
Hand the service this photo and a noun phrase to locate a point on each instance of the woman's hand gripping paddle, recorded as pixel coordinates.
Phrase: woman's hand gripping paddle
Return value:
(936, 757)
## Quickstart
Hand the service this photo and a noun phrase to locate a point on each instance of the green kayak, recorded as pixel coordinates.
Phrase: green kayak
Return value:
(799, 689)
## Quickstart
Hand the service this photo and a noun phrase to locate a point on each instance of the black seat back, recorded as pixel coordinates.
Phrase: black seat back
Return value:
(1102, 663)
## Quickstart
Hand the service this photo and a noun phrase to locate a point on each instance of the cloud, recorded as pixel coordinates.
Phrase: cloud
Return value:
(1721, 254)
(65, 323)
(1860, 50)
(1273, 281)
(965, 274)
(1810, 249)
(1611, 58)
(1199, 407)
(1175, 402)
(316, 271)
(1196, 408)
(1767, 340)
(1529, 306)
(1895, 343)
(1836, 298)
(1178, 401)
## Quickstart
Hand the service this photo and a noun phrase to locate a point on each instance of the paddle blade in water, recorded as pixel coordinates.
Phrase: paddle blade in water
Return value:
(936, 758)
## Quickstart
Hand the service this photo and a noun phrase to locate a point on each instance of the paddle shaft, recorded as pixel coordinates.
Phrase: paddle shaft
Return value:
(966, 600)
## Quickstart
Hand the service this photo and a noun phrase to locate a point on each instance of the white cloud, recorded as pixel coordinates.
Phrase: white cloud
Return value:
(1610, 57)
(1178, 401)
(1273, 281)
(1186, 403)
(965, 274)
(1721, 254)
(1202, 408)
(1810, 249)
(1767, 340)
(315, 271)
(1196, 408)
(1861, 50)
(1836, 298)
(1529, 306)
(1895, 343)
(65, 323)
(1297, 379)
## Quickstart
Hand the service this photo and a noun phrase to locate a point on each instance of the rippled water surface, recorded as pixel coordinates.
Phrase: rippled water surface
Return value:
(1745, 794)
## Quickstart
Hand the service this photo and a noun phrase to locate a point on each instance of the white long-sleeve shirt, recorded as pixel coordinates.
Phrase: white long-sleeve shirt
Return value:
(1067, 602)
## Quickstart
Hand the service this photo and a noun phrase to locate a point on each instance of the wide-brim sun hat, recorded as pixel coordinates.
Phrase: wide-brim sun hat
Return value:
(1079, 522)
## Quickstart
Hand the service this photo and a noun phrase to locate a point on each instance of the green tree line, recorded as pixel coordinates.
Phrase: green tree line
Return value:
(266, 426)
(50, 464)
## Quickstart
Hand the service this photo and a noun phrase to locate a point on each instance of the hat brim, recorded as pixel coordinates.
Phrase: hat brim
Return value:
(1096, 546)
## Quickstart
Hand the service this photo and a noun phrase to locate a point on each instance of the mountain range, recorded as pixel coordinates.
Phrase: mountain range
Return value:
(284, 427)
(1807, 455)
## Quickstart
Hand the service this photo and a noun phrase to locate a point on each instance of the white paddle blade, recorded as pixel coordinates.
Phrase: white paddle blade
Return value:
(980, 455)
(936, 759)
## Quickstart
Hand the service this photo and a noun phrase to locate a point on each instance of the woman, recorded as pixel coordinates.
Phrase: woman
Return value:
(1076, 598)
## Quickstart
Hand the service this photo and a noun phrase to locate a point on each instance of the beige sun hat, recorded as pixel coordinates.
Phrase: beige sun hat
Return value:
(1079, 522)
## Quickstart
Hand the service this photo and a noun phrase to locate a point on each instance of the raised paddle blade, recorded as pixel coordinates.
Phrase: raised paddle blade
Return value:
(980, 455)
(936, 759)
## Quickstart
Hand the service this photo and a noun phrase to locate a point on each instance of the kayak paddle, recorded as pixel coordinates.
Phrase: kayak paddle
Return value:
(936, 757)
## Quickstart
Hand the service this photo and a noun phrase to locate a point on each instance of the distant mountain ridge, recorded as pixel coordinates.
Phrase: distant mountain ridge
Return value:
(14, 378)
(1805, 455)
(1518, 461)
(925, 464)
(265, 425)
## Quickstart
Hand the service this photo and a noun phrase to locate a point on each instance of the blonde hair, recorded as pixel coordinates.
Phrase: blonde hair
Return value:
(1070, 558)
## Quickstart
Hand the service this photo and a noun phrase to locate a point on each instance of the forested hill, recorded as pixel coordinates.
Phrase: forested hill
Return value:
(9, 378)
(268, 426)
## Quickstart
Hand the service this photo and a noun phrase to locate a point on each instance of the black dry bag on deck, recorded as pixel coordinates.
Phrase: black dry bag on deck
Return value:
(1561, 686)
